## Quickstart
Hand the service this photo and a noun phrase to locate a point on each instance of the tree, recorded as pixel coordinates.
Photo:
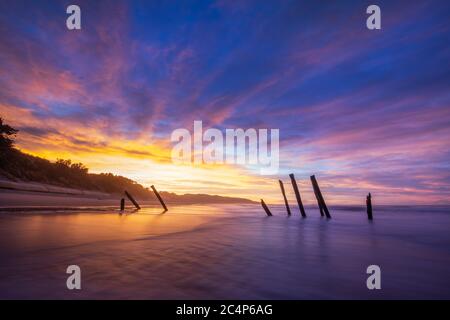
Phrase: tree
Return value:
(7, 134)
(79, 168)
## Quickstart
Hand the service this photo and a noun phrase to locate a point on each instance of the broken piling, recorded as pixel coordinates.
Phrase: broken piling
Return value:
(263, 204)
(159, 198)
(369, 206)
(297, 195)
(319, 197)
(318, 200)
(285, 199)
(132, 200)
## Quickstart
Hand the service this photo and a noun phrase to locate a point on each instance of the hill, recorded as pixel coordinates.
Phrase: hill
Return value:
(18, 166)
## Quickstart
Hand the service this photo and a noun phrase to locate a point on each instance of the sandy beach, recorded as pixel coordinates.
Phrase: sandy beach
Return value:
(28, 195)
(24, 199)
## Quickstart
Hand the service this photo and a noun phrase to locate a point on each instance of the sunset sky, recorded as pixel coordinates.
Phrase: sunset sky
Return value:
(365, 111)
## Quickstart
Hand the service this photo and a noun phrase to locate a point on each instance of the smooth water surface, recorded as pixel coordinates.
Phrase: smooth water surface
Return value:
(226, 252)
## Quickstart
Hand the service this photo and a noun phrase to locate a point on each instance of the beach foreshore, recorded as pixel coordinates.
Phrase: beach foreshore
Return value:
(225, 251)
(24, 196)
(48, 189)
(12, 200)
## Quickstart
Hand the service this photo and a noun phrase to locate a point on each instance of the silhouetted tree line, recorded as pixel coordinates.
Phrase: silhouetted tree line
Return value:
(16, 165)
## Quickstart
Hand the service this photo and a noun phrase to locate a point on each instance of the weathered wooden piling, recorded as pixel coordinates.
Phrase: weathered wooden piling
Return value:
(297, 195)
(159, 198)
(263, 204)
(369, 206)
(320, 196)
(122, 204)
(132, 200)
(318, 201)
(285, 199)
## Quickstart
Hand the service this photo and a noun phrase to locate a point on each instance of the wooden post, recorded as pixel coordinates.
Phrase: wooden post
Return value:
(285, 199)
(320, 197)
(159, 198)
(122, 204)
(369, 206)
(297, 195)
(318, 200)
(269, 214)
(132, 200)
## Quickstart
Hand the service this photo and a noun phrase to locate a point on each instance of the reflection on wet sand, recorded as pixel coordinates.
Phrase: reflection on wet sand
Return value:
(225, 251)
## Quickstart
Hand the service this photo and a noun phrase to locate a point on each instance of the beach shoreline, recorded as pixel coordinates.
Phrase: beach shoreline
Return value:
(18, 201)
(225, 252)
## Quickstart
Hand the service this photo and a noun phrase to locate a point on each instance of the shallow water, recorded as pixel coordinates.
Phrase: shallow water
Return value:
(227, 252)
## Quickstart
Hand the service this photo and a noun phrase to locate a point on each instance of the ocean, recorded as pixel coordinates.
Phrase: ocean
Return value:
(227, 252)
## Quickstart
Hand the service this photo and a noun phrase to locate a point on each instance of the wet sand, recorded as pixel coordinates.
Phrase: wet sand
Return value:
(226, 252)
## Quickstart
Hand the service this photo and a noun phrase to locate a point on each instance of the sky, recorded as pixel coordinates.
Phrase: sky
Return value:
(363, 110)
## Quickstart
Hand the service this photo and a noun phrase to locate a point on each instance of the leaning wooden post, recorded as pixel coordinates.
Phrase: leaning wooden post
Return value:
(132, 200)
(369, 206)
(297, 195)
(159, 198)
(321, 199)
(122, 204)
(318, 200)
(284, 196)
(269, 214)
